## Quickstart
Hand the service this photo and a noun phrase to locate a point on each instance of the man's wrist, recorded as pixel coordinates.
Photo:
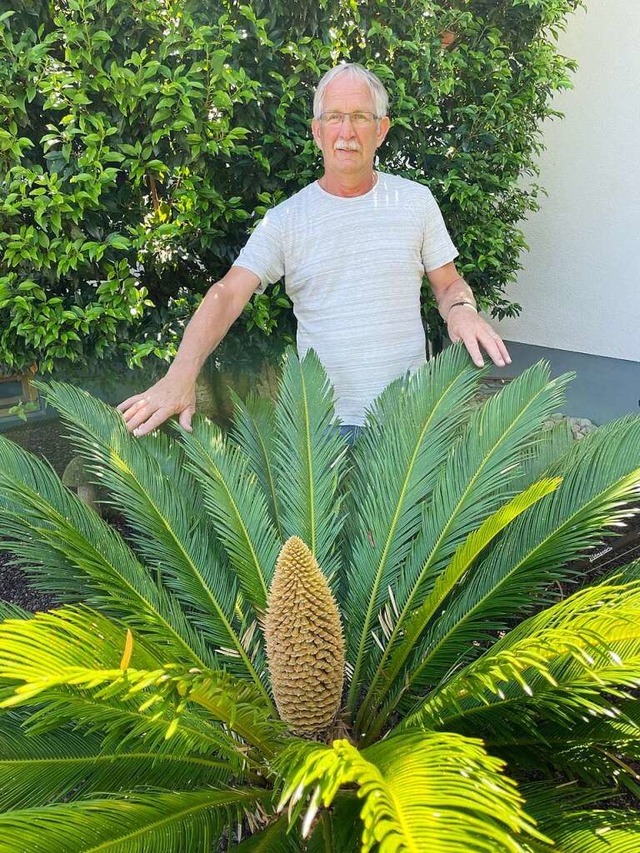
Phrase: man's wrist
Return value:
(184, 371)
(462, 303)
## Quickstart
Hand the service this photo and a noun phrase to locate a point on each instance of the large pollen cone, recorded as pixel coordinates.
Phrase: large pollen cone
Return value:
(305, 646)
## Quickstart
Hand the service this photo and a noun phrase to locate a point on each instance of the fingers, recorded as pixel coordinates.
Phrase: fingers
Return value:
(128, 402)
(145, 412)
(476, 333)
(185, 419)
(495, 348)
(150, 422)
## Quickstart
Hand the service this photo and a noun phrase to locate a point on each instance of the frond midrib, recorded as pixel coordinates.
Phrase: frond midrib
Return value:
(555, 532)
(248, 794)
(399, 658)
(64, 523)
(387, 547)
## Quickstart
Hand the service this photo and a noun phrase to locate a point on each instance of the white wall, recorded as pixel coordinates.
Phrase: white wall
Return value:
(580, 289)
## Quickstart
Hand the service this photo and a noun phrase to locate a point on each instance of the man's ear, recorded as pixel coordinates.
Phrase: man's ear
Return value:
(315, 130)
(383, 128)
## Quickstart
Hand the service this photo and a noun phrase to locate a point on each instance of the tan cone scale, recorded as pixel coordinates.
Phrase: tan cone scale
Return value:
(305, 646)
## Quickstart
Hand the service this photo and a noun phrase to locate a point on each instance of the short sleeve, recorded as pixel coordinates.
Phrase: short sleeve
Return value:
(263, 253)
(437, 246)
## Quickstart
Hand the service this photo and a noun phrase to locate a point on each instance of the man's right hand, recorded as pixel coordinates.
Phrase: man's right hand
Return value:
(144, 412)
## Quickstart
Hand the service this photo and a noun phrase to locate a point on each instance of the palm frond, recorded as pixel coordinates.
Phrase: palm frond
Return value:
(159, 821)
(12, 611)
(254, 432)
(41, 668)
(567, 662)
(395, 462)
(550, 445)
(600, 480)
(237, 506)
(310, 459)
(593, 831)
(339, 829)
(436, 792)
(473, 483)
(165, 513)
(275, 838)
(37, 770)
(461, 563)
(71, 551)
(83, 650)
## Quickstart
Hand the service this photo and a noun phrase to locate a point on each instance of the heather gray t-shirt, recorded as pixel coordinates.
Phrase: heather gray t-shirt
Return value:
(353, 269)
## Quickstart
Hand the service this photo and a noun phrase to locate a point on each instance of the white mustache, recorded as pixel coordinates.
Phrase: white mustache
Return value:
(343, 145)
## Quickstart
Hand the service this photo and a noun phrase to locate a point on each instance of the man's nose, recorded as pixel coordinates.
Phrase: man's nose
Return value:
(347, 126)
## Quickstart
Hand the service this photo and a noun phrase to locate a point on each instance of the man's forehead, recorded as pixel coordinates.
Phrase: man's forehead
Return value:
(347, 87)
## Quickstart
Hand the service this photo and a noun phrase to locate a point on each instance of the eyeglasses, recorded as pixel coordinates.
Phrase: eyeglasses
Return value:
(359, 118)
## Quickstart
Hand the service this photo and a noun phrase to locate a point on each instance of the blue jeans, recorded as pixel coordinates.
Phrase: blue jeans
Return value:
(350, 432)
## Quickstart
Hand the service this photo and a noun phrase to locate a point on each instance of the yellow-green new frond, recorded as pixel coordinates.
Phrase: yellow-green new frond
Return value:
(36, 770)
(562, 663)
(435, 792)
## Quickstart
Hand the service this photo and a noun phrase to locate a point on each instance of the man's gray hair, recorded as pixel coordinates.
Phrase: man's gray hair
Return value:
(378, 92)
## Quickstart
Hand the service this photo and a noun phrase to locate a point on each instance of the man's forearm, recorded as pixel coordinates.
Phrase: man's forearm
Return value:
(219, 309)
(205, 330)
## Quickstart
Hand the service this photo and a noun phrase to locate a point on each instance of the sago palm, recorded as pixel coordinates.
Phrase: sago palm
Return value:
(410, 678)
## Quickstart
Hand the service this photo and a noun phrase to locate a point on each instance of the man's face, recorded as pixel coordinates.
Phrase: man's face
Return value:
(348, 150)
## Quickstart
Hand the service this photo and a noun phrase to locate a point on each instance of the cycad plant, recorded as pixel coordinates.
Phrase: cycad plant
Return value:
(411, 677)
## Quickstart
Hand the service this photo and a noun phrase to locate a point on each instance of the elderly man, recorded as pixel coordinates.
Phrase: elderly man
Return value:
(353, 248)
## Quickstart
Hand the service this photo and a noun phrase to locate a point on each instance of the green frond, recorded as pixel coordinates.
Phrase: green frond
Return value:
(12, 611)
(339, 829)
(83, 651)
(597, 831)
(461, 563)
(159, 821)
(37, 770)
(254, 432)
(550, 445)
(566, 662)
(74, 553)
(600, 480)
(436, 792)
(408, 436)
(237, 506)
(474, 482)
(310, 459)
(275, 838)
(35, 650)
(165, 513)
(561, 812)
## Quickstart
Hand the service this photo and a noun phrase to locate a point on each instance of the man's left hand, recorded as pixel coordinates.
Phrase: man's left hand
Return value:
(464, 324)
